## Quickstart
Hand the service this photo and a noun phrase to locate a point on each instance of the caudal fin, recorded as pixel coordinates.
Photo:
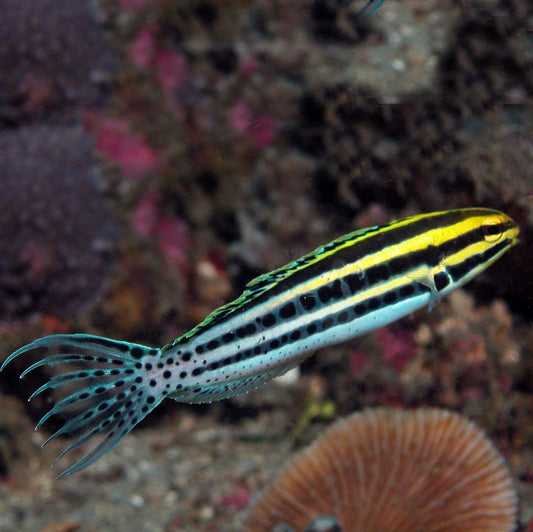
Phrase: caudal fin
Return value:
(105, 396)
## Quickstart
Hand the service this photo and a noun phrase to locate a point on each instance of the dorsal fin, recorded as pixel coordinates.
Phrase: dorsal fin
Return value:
(275, 276)
(266, 281)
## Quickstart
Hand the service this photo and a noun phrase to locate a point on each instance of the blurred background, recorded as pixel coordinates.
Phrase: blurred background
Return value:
(156, 155)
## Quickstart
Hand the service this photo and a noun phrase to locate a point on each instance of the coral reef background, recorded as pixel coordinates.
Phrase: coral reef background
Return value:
(157, 155)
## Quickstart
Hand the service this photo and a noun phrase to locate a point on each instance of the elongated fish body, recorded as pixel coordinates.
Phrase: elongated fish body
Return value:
(353, 285)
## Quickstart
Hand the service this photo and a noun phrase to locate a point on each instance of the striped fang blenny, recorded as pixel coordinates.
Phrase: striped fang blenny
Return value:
(355, 284)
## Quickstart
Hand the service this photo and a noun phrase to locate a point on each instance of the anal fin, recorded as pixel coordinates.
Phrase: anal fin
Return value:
(223, 390)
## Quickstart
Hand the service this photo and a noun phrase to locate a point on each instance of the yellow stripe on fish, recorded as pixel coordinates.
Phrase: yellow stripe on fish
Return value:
(350, 286)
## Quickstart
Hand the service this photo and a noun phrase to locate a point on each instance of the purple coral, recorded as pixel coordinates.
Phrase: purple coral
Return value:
(55, 229)
(53, 54)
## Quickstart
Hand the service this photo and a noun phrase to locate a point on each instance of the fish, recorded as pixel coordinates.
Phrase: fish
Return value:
(350, 286)
(369, 9)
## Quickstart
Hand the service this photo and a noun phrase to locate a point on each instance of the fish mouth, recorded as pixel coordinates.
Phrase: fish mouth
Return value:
(512, 230)
(514, 235)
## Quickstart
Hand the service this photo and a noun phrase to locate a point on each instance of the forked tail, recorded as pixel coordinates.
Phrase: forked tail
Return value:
(105, 396)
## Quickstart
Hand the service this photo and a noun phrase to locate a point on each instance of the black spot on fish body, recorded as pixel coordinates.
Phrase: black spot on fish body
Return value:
(241, 332)
(398, 265)
(343, 316)
(327, 323)
(136, 352)
(308, 301)
(269, 320)
(390, 297)
(355, 282)
(377, 274)
(373, 303)
(325, 293)
(212, 345)
(360, 309)
(288, 310)
(441, 280)
(407, 290)
(228, 337)
(336, 289)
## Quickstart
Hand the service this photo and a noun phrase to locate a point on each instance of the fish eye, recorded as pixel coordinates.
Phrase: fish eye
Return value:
(492, 229)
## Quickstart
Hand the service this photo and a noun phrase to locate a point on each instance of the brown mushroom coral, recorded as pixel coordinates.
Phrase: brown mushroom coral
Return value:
(386, 470)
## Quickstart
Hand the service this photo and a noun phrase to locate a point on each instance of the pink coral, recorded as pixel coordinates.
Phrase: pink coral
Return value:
(145, 217)
(243, 120)
(262, 131)
(173, 240)
(170, 66)
(397, 345)
(130, 151)
(170, 233)
(358, 360)
(240, 117)
(237, 499)
(171, 70)
(249, 66)
(143, 48)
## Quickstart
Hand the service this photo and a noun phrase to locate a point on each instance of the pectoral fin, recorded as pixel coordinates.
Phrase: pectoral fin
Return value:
(426, 277)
